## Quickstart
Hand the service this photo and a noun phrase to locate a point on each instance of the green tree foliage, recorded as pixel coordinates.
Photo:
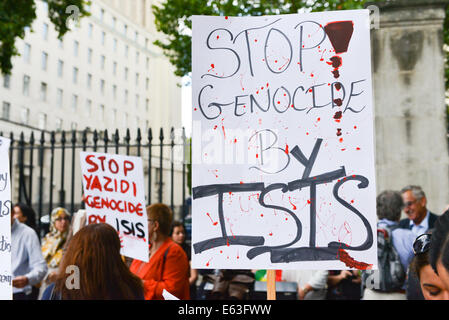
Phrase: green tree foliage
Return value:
(16, 15)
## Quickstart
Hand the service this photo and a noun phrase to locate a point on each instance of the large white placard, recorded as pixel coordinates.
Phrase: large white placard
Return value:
(5, 222)
(114, 193)
(283, 142)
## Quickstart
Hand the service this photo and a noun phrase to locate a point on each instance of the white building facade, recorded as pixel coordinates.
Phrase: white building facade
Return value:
(104, 74)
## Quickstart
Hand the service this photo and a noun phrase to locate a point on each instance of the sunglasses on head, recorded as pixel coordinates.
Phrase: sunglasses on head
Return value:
(422, 243)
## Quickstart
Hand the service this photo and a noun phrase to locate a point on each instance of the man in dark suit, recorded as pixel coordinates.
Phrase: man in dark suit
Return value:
(419, 220)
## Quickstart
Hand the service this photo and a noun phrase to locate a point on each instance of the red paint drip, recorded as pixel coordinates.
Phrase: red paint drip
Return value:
(289, 200)
(286, 148)
(351, 263)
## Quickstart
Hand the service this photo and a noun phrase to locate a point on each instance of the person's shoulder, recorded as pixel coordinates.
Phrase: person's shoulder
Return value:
(176, 249)
(404, 223)
(26, 230)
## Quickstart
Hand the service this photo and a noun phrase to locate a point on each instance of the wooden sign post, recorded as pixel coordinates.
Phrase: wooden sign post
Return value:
(271, 284)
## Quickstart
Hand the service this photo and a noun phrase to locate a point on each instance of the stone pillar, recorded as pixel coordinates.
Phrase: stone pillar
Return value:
(409, 94)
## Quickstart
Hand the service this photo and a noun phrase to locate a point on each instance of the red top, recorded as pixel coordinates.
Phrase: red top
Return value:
(171, 274)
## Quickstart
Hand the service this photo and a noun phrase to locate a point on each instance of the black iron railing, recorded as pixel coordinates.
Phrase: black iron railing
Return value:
(57, 166)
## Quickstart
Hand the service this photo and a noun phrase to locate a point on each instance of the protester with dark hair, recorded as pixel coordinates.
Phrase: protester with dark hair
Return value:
(27, 264)
(168, 266)
(101, 274)
(26, 215)
(432, 287)
(178, 234)
(439, 249)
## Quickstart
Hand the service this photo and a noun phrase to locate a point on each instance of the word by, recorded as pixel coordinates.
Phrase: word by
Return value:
(285, 253)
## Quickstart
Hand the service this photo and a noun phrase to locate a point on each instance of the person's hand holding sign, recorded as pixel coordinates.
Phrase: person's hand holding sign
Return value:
(20, 282)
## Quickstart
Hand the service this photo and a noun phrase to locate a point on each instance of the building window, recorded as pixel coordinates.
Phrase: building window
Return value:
(137, 57)
(102, 84)
(89, 81)
(137, 78)
(43, 91)
(125, 30)
(89, 55)
(6, 109)
(114, 46)
(102, 62)
(42, 121)
(147, 83)
(89, 107)
(126, 96)
(75, 75)
(125, 120)
(147, 104)
(114, 68)
(146, 43)
(45, 31)
(102, 15)
(90, 30)
(136, 36)
(7, 81)
(74, 126)
(26, 85)
(114, 22)
(126, 51)
(74, 102)
(44, 61)
(103, 38)
(59, 97)
(27, 53)
(102, 113)
(126, 73)
(58, 124)
(114, 91)
(60, 43)
(60, 68)
(75, 48)
(114, 116)
(25, 115)
(148, 63)
(137, 101)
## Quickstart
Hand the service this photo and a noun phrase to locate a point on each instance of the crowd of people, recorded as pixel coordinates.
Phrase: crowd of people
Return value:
(413, 260)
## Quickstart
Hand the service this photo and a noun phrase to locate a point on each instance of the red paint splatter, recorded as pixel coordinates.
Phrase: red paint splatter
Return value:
(289, 200)
(338, 132)
(226, 17)
(357, 148)
(213, 223)
(318, 120)
(351, 263)
(341, 139)
(286, 148)
(355, 127)
(235, 140)
(241, 182)
(270, 234)
(338, 102)
(218, 37)
(338, 115)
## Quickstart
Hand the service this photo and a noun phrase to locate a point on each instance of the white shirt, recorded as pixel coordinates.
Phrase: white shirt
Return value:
(419, 229)
(26, 256)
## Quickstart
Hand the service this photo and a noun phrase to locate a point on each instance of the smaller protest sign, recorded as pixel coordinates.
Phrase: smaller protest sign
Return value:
(5, 222)
(114, 194)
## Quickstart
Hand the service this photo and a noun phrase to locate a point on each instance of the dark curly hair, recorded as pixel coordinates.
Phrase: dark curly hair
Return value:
(439, 245)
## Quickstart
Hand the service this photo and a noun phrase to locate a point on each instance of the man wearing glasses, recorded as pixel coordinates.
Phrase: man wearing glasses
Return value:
(419, 218)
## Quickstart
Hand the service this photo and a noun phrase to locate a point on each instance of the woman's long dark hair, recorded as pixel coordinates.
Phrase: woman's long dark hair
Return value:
(29, 213)
(439, 246)
(103, 275)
